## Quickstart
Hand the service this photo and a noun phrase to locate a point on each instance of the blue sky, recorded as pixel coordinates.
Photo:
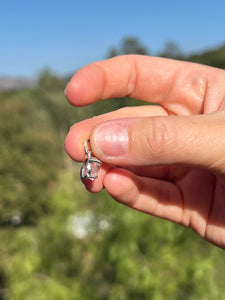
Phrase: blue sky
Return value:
(65, 35)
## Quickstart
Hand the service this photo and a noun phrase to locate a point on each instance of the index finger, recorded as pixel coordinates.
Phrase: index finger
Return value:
(180, 87)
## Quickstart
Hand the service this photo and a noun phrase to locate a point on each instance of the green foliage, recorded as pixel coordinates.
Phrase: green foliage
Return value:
(171, 50)
(135, 256)
(48, 81)
(129, 45)
(214, 57)
(29, 160)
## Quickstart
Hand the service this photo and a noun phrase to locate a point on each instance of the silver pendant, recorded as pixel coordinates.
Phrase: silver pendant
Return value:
(90, 167)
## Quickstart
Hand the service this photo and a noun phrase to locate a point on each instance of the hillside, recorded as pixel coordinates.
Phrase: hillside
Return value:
(213, 57)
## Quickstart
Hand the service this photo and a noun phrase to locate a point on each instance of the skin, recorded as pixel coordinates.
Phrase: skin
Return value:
(173, 166)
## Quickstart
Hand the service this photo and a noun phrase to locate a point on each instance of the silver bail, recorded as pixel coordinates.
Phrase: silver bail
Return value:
(86, 151)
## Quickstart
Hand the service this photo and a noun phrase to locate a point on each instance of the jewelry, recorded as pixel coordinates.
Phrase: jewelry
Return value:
(90, 167)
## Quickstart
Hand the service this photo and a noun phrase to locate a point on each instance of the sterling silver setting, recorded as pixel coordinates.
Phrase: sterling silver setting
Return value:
(90, 167)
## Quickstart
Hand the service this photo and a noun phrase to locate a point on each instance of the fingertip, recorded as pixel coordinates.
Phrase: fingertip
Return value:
(73, 91)
(86, 86)
(73, 143)
(78, 88)
(68, 145)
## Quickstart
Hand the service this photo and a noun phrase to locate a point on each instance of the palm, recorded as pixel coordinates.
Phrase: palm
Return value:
(203, 199)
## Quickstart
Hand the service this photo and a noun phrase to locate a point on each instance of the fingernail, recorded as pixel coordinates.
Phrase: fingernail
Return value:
(112, 139)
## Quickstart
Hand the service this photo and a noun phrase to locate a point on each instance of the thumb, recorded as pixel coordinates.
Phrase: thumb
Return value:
(190, 140)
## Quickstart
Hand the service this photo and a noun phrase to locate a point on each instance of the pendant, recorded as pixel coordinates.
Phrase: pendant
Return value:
(90, 167)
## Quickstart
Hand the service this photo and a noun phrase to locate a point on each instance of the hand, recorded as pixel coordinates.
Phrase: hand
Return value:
(166, 160)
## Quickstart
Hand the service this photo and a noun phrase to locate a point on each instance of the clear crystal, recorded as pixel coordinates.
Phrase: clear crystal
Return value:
(90, 168)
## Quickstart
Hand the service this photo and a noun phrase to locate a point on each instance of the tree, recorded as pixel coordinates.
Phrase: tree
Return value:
(171, 50)
(213, 57)
(29, 160)
(129, 45)
(48, 81)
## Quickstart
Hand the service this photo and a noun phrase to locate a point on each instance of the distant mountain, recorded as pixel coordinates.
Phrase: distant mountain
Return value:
(13, 83)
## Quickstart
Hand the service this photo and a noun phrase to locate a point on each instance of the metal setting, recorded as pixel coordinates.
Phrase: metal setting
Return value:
(90, 167)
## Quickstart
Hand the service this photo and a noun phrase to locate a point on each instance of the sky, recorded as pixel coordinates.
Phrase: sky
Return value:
(66, 35)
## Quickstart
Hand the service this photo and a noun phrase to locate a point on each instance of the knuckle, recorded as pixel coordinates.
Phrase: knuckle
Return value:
(158, 136)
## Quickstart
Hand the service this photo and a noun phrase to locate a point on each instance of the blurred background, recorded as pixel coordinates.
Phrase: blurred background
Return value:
(57, 240)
